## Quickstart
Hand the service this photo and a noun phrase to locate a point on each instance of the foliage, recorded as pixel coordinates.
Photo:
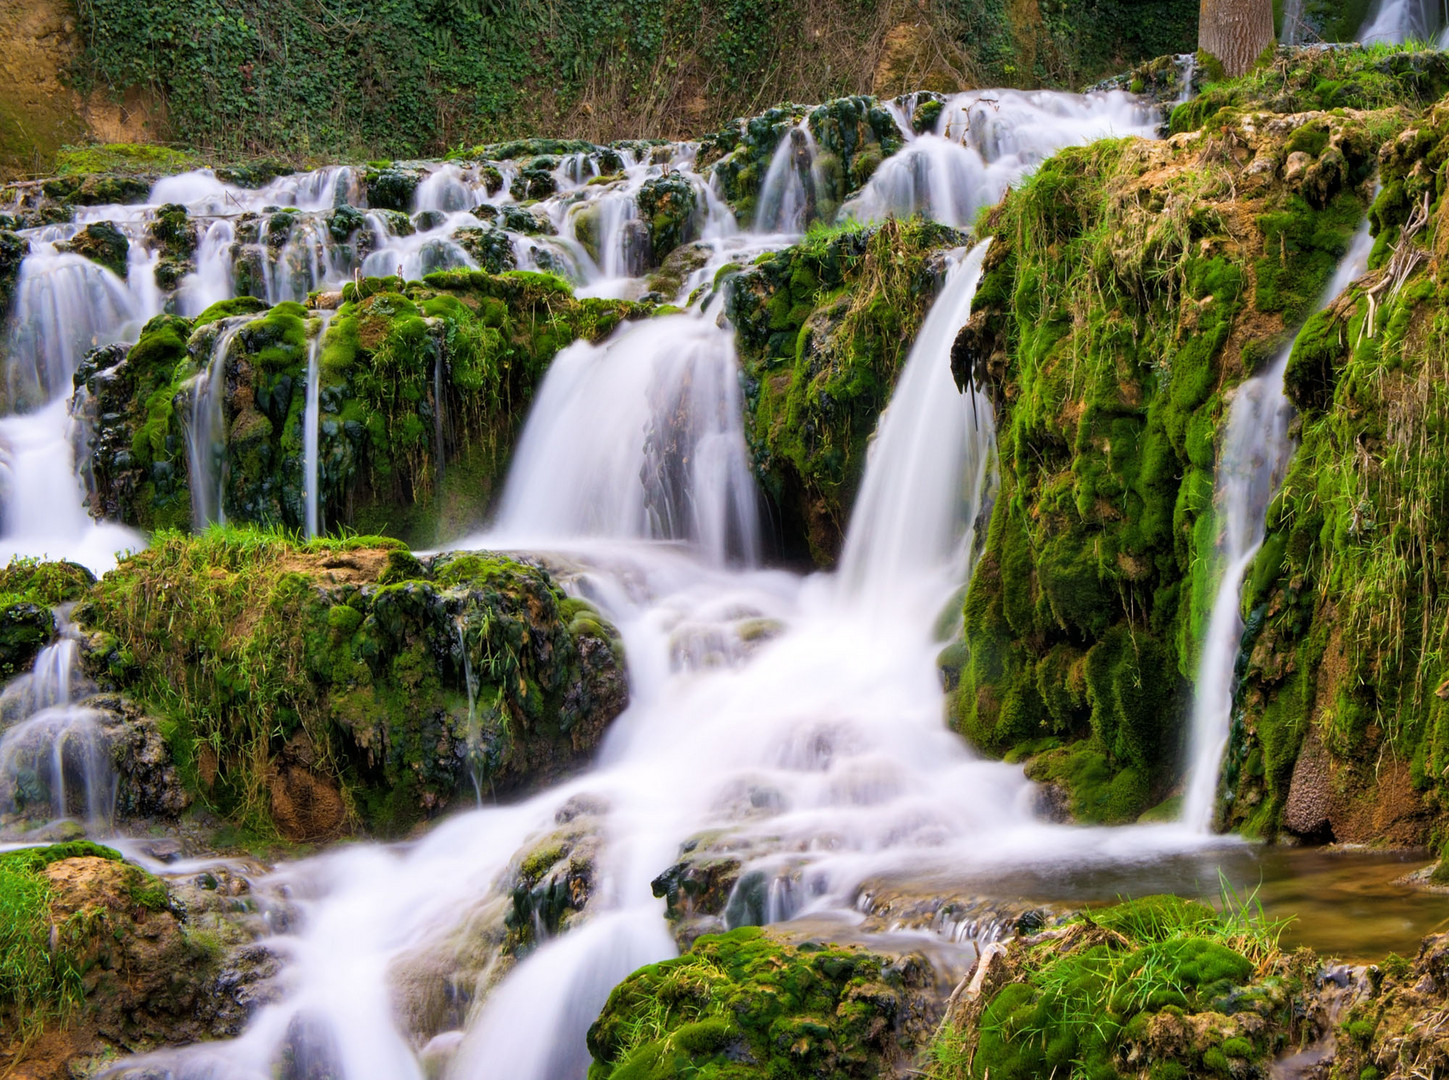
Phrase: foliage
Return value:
(405, 78)
(350, 668)
(1129, 286)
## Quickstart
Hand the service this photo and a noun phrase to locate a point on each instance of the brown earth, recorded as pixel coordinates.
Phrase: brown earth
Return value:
(38, 112)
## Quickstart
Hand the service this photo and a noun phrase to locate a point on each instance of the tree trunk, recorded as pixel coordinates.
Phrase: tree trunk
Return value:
(1235, 31)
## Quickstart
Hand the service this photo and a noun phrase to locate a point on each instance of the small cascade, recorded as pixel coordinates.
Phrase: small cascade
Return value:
(1187, 73)
(65, 306)
(474, 737)
(1251, 465)
(986, 140)
(53, 754)
(928, 464)
(638, 437)
(211, 281)
(787, 196)
(311, 428)
(206, 433)
(1294, 31)
(1394, 22)
(445, 189)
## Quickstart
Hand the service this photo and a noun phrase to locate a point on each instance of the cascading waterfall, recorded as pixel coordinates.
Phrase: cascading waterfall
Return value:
(1255, 452)
(928, 463)
(1393, 22)
(985, 141)
(52, 753)
(311, 427)
(798, 717)
(206, 433)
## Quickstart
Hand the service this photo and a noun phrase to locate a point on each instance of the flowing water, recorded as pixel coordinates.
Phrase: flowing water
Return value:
(1251, 464)
(53, 753)
(1393, 22)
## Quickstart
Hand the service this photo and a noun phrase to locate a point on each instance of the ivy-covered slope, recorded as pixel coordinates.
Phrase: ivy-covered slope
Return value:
(408, 78)
(1131, 285)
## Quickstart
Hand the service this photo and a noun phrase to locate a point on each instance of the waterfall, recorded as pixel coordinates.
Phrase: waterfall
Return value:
(638, 437)
(985, 141)
(1394, 22)
(927, 464)
(311, 425)
(206, 433)
(55, 756)
(1251, 465)
(787, 195)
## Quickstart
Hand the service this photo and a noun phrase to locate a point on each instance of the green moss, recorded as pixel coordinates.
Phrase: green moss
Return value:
(102, 243)
(1085, 1002)
(743, 1004)
(123, 158)
(359, 652)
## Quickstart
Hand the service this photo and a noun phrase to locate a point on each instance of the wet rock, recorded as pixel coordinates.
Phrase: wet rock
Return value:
(103, 244)
(390, 188)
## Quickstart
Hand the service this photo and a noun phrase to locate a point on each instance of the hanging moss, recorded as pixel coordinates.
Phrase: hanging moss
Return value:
(1129, 285)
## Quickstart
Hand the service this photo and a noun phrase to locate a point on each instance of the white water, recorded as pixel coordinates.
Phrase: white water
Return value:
(1393, 22)
(206, 432)
(985, 141)
(311, 428)
(1251, 465)
(787, 195)
(53, 754)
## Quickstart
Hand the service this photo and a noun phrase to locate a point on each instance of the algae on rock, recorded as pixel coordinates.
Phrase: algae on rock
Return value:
(1131, 285)
(309, 688)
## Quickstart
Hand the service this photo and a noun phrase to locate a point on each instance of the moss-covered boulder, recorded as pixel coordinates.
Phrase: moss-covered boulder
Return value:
(102, 959)
(29, 591)
(854, 135)
(739, 155)
(1153, 988)
(753, 1004)
(823, 329)
(1129, 287)
(390, 188)
(307, 689)
(668, 204)
(422, 389)
(103, 244)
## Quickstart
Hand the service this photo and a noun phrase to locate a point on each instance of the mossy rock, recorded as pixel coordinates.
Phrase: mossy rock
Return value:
(335, 692)
(749, 1004)
(103, 244)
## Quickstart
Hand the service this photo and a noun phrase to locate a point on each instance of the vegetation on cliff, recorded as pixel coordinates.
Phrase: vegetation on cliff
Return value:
(409, 78)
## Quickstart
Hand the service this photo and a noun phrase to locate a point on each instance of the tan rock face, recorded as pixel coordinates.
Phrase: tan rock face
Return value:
(38, 112)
